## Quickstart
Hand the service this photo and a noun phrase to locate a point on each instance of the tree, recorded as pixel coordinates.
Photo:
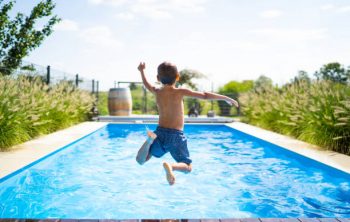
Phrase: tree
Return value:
(18, 36)
(301, 77)
(263, 82)
(186, 77)
(334, 72)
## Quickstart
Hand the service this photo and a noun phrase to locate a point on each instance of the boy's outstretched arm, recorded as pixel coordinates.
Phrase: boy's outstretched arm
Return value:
(148, 86)
(209, 96)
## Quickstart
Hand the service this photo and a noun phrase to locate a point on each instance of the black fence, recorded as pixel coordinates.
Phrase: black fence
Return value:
(53, 76)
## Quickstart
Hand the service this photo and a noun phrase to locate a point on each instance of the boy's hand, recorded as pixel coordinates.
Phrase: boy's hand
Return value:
(142, 66)
(232, 102)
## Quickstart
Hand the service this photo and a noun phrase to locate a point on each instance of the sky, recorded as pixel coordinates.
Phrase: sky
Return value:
(223, 39)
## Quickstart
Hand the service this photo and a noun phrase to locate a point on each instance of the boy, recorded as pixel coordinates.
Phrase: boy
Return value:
(169, 136)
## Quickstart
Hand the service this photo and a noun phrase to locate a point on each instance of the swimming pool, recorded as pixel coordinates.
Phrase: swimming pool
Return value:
(234, 175)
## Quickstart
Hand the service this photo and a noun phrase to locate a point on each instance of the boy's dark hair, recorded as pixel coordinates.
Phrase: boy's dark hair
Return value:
(167, 73)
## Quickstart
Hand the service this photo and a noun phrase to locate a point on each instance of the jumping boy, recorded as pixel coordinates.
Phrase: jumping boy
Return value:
(169, 136)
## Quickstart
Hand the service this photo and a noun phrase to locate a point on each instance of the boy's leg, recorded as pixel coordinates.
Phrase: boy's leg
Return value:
(143, 154)
(169, 168)
(183, 167)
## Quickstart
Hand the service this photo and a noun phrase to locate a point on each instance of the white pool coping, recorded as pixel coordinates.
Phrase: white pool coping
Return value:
(24, 154)
(155, 118)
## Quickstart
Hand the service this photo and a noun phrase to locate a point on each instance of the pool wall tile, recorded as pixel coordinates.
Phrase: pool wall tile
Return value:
(308, 220)
(210, 220)
(106, 220)
(290, 220)
(191, 220)
(49, 220)
(270, 220)
(328, 220)
(230, 220)
(250, 220)
(344, 219)
(68, 220)
(169, 220)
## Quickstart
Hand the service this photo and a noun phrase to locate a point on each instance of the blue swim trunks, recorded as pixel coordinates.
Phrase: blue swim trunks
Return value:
(173, 141)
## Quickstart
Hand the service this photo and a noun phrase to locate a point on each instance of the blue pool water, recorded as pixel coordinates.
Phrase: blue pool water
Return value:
(234, 175)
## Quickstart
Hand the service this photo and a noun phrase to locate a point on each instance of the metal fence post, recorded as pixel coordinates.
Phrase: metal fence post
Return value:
(93, 86)
(145, 101)
(97, 89)
(77, 80)
(48, 75)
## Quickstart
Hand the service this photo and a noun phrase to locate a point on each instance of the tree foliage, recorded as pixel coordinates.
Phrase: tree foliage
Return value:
(19, 36)
(233, 89)
(334, 72)
(301, 77)
(263, 82)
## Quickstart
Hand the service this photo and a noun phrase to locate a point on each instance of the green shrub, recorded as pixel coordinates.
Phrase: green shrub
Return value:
(317, 112)
(29, 108)
(102, 104)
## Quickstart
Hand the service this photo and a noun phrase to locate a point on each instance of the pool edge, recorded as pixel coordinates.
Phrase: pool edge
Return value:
(31, 152)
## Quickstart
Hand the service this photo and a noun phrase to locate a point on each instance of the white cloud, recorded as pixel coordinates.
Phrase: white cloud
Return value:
(126, 16)
(101, 36)
(67, 25)
(245, 45)
(271, 14)
(339, 9)
(167, 9)
(155, 9)
(151, 10)
(107, 2)
(291, 35)
(344, 9)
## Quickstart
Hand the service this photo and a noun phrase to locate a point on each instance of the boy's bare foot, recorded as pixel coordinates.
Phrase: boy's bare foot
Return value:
(169, 173)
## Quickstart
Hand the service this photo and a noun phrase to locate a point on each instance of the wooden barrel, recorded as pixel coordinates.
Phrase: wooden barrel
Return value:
(119, 102)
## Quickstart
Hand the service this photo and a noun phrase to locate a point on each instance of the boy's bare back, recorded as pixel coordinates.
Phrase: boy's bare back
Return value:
(170, 107)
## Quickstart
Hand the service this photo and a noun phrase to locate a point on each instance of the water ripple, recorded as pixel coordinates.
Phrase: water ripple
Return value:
(233, 176)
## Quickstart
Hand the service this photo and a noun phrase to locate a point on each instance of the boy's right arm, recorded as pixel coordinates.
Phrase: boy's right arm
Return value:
(148, 86)
(209, 96)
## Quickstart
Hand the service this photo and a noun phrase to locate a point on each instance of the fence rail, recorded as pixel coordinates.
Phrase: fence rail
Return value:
(53, 76)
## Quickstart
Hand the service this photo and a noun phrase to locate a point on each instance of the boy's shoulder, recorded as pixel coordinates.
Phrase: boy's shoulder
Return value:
(173, 90)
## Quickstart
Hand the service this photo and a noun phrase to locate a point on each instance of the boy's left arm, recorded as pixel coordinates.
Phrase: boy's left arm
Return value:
(148, 85)
(209, 96)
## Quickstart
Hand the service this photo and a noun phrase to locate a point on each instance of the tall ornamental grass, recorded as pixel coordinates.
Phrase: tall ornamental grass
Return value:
(28, 108)
(317, 112)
